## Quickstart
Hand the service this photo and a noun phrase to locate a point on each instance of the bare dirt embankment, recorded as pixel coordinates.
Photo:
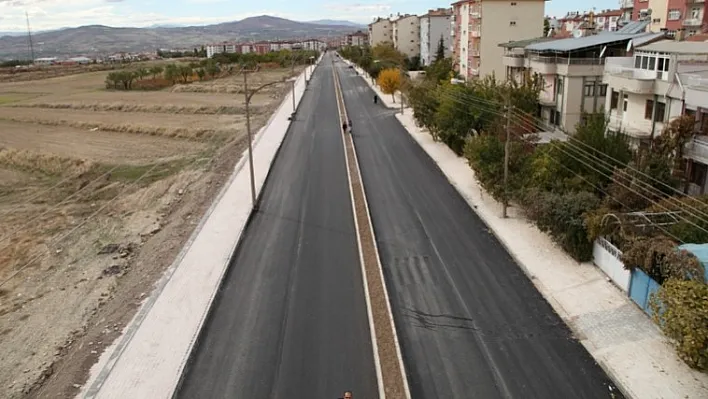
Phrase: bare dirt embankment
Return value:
(95, 203)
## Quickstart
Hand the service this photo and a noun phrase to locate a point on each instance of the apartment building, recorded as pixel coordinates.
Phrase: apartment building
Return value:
(380, 31)
(221, 48)
(627, 8)
(572, 69)
(357, 38)
(480, 25)
(434, 25)
(406, 34)
(607, 20)
(661, 81)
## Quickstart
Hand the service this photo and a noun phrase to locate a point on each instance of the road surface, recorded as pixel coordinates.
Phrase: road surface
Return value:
(470, 322)
(290, 320)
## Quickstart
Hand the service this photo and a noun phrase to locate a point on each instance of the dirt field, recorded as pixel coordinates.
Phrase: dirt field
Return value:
(95, 202)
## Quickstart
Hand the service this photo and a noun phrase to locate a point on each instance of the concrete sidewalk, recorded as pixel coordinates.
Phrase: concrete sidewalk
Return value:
(621, 338)
(148, 360)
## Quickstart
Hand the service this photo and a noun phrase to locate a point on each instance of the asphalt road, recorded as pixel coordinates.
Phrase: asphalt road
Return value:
(290, 320)
(470, 322)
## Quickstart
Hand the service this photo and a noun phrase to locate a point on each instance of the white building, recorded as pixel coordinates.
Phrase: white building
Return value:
(571, 70)
(220, 48)
(434, 25)
(310, 44)
(406, 35)
(45, 61)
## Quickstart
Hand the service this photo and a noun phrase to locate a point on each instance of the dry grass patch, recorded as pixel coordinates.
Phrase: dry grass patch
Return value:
(233, 84)
(65, 143)
(191, 127)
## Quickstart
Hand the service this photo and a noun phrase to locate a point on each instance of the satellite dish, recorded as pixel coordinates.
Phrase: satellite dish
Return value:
(602, 53)
(648, 11)
(577, 33)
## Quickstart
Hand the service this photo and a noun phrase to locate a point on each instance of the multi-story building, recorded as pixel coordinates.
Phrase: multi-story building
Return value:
(571, 70)
(221, 48)
(380, 31)
(661, 81)
(627, 8)
(480, 25)
(357, 38)
(434, 26)
(406, 34)
(607, 20)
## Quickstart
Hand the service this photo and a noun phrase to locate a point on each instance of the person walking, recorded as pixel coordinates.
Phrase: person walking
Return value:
(350, 126)
(344, 127)
(376, 99)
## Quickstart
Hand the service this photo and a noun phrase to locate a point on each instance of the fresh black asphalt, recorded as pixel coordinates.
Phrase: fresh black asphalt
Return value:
(471, 324)
(290, 320)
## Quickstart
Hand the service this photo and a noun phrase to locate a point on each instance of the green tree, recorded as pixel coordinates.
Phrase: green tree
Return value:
(440, 53)
(212, 69)
(546, 26)
(185, 72)
(201, 73)
(172, 72)
(141, 73)
(113, 80)
(156, 70)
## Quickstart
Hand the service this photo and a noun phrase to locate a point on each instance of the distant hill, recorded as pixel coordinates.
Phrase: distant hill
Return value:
(99, 39)
(336, 22)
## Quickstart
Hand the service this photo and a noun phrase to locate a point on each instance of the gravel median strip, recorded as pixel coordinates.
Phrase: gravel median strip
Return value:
(392, 373)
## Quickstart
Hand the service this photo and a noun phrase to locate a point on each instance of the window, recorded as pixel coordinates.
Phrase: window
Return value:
(512, 23)
(589, 89)
(648, 109)
(603, 90)
(559, 86)
(624, 103)
(659, 114)
(674, 15)
(614, 99)
(695, 12)
(637, 61)
(645, 62)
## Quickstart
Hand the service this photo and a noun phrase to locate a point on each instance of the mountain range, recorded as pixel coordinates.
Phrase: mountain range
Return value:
(98, 39)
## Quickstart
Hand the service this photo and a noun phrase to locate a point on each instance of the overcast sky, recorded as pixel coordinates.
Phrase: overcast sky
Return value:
(51, 14)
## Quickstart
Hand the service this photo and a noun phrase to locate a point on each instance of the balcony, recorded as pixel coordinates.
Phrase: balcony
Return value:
(692, 22)
(695, 1)
(627, 4)
(636, 128)
(475, 33)
(474, 53)
(697, 149)
(632, 80)
(475, 13)
(474, 72)
(514, 60)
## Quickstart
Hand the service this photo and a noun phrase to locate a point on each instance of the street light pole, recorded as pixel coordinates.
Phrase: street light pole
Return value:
(248, 95)
(250, 140)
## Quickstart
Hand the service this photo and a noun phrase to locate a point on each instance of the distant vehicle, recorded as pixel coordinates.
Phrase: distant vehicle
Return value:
(351, 67)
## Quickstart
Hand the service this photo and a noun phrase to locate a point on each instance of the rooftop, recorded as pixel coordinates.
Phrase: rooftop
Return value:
(676, 47)
(602, 38)
(526, 42)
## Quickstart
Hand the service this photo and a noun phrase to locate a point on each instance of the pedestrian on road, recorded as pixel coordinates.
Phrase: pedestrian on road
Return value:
(350, 126)
(376, 99)
(344, 127)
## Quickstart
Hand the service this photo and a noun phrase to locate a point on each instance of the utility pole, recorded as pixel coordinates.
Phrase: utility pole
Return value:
(507, 150)
(250, 141)
(29, 35)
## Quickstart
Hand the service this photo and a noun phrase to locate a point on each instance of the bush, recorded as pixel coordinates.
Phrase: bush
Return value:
(563, 217)
(681, 310)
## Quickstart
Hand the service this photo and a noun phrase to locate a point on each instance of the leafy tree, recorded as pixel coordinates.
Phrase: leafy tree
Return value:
(692, 225)
(185, 72)
(680, 308)
(156, 70)
(425, 104)
(141, 73)
(201, 73)
(387, 54)
(390, 81)
(413, 63)
(113, 80)
(172, 72)
(562, 215)
(440, 70)
(211, 68)
(672, 141)
(546, 26)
